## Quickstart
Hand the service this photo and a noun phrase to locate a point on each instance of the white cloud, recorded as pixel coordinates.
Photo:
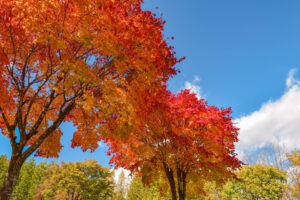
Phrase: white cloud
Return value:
(275, 122)
(194, 87)
(290, 81)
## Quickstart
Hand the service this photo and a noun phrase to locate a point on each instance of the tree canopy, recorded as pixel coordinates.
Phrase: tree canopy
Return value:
(182, 137)
(294, 158)
(256, 182)
(74, 60)
(138, 191)
(79, 180)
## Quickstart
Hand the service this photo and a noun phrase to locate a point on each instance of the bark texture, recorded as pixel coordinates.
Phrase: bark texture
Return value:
(170, 176)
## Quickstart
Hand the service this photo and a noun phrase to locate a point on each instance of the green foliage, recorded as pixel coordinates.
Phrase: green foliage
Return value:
(256, 182)
(80, 180)
(294, 158)
(31, 176)
(3, 167)
(86, 180)
(137, 191)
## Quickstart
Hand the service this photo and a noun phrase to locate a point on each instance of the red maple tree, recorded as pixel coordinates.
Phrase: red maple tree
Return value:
(180, 136)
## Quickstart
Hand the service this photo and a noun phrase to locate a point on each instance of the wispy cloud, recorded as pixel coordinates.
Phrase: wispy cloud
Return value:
(275, 122)
(194, 87)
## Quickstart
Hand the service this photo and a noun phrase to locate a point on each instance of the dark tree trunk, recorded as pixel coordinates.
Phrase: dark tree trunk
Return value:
(170, 176)
(12, 176)
(184, 185)
(181, 184)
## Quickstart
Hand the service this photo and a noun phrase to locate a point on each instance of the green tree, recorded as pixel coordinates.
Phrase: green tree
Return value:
(3, 167)
(294, 189)
(137, 191)
(31, 176)
(80, 180)
(258, 182)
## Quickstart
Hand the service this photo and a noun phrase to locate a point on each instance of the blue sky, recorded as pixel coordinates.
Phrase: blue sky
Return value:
(241, 50)
(243, 54)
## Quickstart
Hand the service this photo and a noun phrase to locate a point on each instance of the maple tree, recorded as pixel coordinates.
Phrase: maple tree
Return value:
(78, 61)
(180, 136)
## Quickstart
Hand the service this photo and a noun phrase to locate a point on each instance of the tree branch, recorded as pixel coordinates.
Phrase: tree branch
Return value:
(50, 130)
(9, 127)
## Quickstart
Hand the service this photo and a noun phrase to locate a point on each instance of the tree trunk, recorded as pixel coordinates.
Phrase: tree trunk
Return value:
(181, 184)
(184, 185)
(12, 176)
(170, 176)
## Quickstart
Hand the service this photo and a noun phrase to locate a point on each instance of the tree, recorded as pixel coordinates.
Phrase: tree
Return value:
(294, 157)
(79, 180)
(182, 137)
(212, 191)
(31, 176)
(24, 187)
(137, 191)
(121, 187)
(273, 154)
(79, 61)
(259, 182)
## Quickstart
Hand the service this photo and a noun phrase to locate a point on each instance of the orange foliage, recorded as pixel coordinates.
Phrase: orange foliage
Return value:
(78, 61)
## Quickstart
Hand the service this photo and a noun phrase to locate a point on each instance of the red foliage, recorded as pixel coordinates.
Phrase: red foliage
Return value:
(181, 131)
